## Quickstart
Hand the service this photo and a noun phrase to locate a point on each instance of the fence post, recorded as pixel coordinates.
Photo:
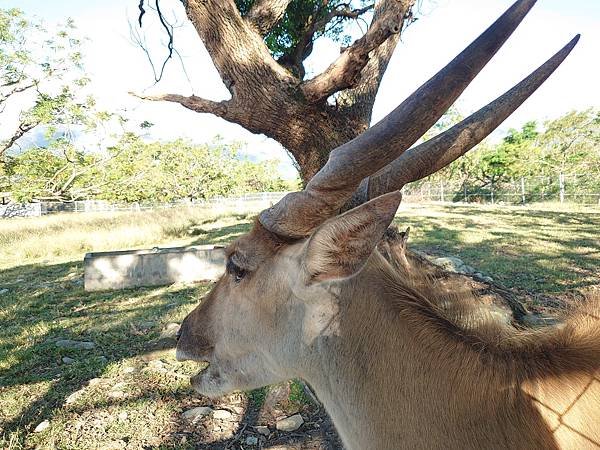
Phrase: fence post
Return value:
(492, 191)
(561, 183)
(465, 190)
(522, 190)
(442, 191)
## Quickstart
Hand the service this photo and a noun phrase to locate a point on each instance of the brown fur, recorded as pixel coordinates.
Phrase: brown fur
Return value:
(398, 360)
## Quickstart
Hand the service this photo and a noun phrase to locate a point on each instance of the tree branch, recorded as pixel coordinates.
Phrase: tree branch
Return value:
(15, 90)
(358, 101)
(192, 102)
(265, 14)
(19, 133)
(345, 12)
(238, 52)
(305, 45)
(345, 71)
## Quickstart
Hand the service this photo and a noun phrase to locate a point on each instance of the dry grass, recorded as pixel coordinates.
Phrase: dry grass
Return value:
(542, 250)
(61, 237)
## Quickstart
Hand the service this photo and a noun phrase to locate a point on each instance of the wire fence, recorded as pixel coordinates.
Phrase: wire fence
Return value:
(563, 188)
(571, 188)
(253, 201)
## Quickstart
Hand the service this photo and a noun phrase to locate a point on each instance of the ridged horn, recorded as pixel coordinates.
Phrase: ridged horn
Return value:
(298, 213)
(441, 150)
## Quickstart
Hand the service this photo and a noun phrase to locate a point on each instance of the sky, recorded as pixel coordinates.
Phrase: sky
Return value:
(443, 29)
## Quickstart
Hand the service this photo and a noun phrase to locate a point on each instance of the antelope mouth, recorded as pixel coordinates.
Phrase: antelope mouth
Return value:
(182, 355)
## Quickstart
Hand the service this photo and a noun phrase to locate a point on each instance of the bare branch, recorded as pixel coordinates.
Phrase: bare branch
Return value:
(142, 12)
(265, 14)
(16, 90)
(192, 102)
(345, 71)
(347, 13)
(18, 134)
(169, 29)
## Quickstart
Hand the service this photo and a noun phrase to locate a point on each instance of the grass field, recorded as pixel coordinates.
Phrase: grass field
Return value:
(126, 392)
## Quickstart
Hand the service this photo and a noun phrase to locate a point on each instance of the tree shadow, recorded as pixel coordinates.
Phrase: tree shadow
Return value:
(125, 327)
(47, 303)
(523, 253)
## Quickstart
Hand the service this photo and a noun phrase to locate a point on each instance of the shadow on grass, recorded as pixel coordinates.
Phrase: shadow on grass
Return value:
(46, 303)
(542, 251)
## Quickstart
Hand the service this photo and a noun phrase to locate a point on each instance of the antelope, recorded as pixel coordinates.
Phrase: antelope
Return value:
(396, 361)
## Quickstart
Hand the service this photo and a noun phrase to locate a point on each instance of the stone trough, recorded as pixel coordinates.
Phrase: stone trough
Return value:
(155, 267)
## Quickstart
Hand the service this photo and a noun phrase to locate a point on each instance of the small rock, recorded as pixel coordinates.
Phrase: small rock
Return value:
(146, 325)
(487, 279)
(76, 345)
(123, 416)
(170, 331)
(156, 364)
(450, 263)
(194, 413)
(116, 394)
(72, 398)
(291, 423)
(42, 426)
(67, 360)
(468, 269)
(262, 430)
(94, 381)
(128, 369)
(3, 291)
(251, 440)
(222, 414)
(238, 410)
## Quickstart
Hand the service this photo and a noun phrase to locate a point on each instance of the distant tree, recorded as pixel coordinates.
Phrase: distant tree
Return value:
(571, 144)
(167, 171)
(58, 172)
(42, 73)
(138, 171)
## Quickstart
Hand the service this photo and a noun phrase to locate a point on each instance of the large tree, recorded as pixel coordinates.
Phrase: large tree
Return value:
(259, 48)
(41, 73)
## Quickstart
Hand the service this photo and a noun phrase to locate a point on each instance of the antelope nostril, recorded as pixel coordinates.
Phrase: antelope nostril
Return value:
(178, 334)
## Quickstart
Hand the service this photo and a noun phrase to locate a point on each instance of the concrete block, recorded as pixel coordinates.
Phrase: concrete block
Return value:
(155, 267)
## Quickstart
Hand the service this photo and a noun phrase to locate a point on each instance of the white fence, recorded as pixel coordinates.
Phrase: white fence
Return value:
(561, 188)
(243, 202)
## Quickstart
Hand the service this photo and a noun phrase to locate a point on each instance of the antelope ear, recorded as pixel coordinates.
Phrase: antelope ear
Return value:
(340, 247)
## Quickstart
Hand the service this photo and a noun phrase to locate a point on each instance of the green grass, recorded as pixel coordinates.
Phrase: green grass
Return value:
(136, 403)
(546, 249)
(61, 237)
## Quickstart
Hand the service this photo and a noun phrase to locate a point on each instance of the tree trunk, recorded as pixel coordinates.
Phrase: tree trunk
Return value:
(269, 99)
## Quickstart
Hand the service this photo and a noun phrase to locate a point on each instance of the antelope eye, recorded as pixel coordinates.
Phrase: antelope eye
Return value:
(235, 271)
